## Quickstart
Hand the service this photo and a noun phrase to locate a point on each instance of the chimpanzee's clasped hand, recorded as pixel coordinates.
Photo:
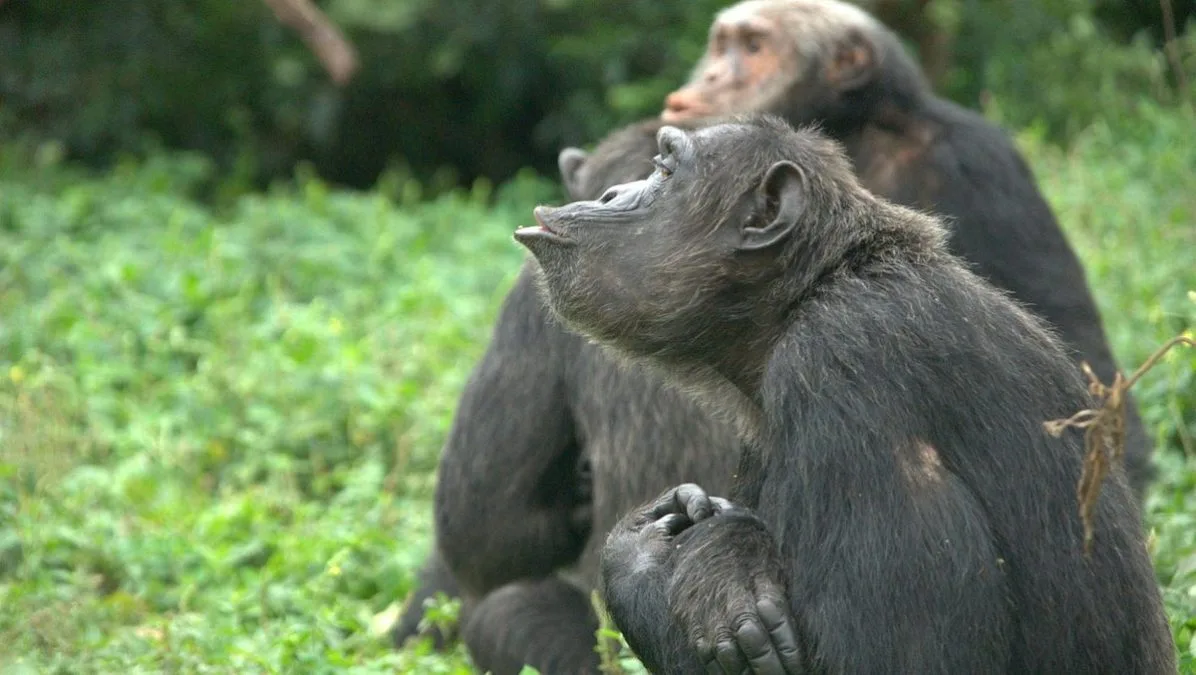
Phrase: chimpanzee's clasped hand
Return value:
(725, 585)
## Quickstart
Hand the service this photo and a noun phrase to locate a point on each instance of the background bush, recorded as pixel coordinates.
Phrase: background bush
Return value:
(218, 430)
(456, 89)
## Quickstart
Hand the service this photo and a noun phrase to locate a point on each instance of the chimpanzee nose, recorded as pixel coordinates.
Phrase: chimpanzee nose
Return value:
(608, 196)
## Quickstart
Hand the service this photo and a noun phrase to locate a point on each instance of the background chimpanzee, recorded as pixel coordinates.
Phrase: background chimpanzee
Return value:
(901, 492)
(640, 434)
(830, 63)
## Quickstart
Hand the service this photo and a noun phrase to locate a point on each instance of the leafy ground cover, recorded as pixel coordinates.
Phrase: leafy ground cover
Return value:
(219, 426)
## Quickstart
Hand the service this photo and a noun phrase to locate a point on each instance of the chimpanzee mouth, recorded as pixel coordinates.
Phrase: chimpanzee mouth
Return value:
(540, 230)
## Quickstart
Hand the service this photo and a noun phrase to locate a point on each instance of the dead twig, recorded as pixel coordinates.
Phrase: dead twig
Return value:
(1104, 430)
(330, 46)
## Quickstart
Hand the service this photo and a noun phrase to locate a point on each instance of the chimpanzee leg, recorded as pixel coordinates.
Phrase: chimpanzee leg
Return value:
(547, 624)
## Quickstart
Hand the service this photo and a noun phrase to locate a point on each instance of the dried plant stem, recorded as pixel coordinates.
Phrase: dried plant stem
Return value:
(1104, 431)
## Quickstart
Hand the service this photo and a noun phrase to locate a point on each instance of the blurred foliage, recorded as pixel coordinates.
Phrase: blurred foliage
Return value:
(455, 89)
(1065, 73)
(219, 425)
(218, 429)
(478, 88)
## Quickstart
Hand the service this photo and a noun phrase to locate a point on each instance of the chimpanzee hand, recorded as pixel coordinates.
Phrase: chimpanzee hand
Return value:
(723, 582)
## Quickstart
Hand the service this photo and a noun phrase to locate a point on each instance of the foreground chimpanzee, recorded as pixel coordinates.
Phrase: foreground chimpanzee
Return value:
(901, 508)
(830, 63)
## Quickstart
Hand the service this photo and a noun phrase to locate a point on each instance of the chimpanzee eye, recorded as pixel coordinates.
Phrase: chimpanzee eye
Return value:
(753, 44)
(661, 166)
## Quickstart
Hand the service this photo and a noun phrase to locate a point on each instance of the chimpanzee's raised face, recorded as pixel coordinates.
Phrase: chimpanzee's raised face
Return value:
(653, 261)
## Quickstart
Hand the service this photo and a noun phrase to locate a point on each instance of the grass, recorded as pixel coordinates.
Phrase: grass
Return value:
(219, 427)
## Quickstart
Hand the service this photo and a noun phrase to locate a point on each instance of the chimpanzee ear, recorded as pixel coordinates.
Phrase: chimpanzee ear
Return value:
(783, 200)
(853, 62)
(569, 162)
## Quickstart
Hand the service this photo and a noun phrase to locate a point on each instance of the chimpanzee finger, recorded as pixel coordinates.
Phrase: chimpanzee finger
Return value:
(730, 658)
(678, 500)
(708, 656)
(673, 524)
(720, 505)
(782, 633)
(665, 504)
(758, 649)
(694, 501)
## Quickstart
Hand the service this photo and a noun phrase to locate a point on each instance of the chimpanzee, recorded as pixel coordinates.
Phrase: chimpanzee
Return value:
(626, 155)
(900, 507)
(830, 63)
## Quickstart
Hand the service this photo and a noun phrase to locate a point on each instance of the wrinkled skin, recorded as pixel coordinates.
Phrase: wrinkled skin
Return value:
(795, 58)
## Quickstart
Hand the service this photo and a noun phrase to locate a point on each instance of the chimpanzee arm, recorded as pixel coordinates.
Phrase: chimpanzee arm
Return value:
(508, 502)
(695, 585)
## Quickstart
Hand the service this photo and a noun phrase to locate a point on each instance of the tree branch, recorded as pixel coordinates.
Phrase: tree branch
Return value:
(322, 37)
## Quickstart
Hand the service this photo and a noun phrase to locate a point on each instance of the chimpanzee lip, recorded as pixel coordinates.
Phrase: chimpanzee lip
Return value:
(534, 232)
(538, 214)
(540, 230)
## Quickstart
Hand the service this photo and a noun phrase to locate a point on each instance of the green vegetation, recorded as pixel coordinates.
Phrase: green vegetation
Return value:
(219, 425)
(219, 428)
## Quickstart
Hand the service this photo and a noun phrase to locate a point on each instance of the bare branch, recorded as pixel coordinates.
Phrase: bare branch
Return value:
(330, 46)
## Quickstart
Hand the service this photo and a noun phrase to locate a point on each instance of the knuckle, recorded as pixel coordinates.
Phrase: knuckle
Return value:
(723, 636)
(744, 620)
(768, 594)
